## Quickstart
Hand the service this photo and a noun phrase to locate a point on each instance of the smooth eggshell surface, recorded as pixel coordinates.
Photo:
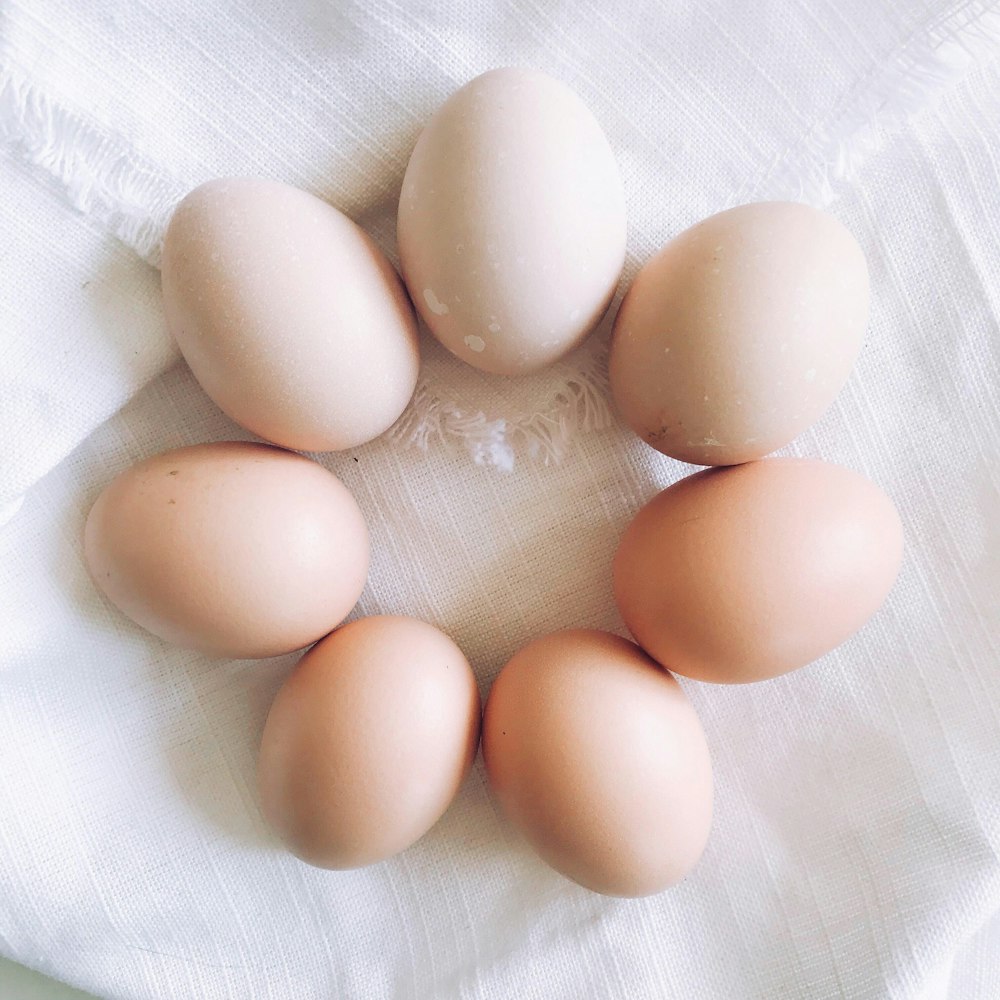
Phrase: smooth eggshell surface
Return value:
(598, 757)
(368, 741)
(290, 317)
(740, 332)
(512, 222)
(742, 574)
(232, 548)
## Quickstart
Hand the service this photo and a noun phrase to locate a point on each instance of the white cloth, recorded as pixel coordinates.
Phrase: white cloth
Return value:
(856, 845)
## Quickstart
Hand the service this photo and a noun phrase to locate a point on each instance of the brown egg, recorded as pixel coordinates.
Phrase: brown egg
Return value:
(740, 332)
(598, 757)
(290, 317)
(741, 574)
(512, 222)
(368, 741)
(236, 549)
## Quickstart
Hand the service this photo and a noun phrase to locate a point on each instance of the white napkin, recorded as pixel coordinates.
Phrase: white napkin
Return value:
(855, 848)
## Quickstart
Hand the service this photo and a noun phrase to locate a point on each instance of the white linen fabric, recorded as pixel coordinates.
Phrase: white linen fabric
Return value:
(856, 845)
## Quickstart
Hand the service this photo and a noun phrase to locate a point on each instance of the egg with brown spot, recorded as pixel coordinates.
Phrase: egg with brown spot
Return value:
(233, 548)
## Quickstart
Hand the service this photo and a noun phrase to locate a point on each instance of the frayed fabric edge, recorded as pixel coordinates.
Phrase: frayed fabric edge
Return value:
(911, 83)
(580, 404)
(97, 170)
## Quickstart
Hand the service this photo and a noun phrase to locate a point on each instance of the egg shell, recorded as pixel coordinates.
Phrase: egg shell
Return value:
(741, 574)
(290, 317)
(368, 741)
(740, 332)
(232, 548)
(512, 222)
(598, 757)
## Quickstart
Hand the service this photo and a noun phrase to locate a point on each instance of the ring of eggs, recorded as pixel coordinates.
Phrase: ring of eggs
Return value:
(734, 338)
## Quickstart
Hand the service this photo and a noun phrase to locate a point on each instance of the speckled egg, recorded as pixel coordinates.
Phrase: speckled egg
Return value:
(740, 332)
(232, 548)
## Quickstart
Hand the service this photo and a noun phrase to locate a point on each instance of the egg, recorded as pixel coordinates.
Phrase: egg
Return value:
(512, 222)
(368, 741)
(596, 754)
(744, 573)
(740, 332)
(290, 317)
(234, 549)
